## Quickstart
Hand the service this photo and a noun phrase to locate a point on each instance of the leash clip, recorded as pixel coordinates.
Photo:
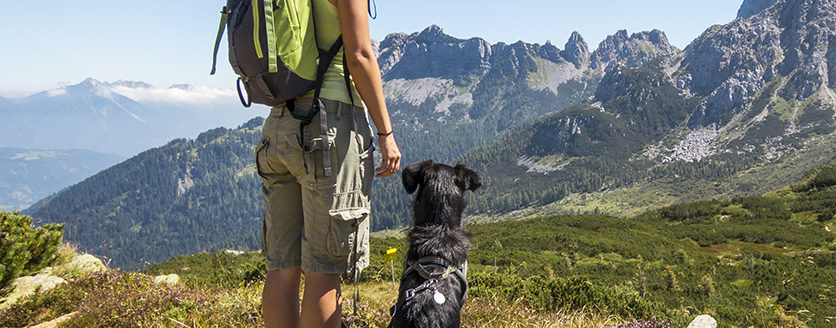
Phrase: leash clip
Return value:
(410, 293)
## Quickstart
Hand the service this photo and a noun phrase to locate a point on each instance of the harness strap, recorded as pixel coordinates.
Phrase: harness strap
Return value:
(432, 278)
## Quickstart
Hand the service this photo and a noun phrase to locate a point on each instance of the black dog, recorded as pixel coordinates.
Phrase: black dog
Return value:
(434, 282)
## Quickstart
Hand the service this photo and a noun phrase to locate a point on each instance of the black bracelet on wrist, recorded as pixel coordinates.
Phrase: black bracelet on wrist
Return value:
(385, 134)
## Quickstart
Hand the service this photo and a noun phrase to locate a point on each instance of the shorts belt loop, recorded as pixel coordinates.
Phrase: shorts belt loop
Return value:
(339, 111)
(326, 145)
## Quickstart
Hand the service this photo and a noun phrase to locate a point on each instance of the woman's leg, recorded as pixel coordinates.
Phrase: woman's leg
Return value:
(321, 300)
(280, 298)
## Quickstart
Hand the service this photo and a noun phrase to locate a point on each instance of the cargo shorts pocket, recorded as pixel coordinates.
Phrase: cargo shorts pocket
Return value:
(348, 209)
(351, 206)
(260, 159)
(341, 237)
(272, 173)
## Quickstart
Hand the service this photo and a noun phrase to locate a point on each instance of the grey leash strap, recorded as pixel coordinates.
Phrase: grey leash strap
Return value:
(355, 272)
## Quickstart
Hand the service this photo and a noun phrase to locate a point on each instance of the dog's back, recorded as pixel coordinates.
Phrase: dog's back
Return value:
(433, 286)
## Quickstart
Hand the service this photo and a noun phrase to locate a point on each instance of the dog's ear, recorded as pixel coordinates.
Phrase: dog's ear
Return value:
(467, 179)
(413, 175)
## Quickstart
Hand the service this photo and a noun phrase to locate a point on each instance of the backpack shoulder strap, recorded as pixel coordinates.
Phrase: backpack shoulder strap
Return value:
(325, 58)
(347, 76)
(221, 28)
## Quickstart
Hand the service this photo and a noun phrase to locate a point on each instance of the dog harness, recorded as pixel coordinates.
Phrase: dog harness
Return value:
(420, 266)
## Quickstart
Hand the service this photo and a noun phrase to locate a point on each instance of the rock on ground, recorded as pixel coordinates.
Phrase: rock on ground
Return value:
(171, 279)
(703, 321)
(25, 286)
(83, 265)
(55, 322)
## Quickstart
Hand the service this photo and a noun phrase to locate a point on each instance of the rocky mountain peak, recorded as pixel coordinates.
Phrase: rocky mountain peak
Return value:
(751, 8)
(655, 36)
(633, 50)
(431, 53)
(550, 52)
(729, 65)
(90, 82)
(393, 40)
(431, 34)
(576, 50)
(88, 86)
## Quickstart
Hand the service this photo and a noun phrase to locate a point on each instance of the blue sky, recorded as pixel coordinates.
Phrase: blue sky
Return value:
(51, 43)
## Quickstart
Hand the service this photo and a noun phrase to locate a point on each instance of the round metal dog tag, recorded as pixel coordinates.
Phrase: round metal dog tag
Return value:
(439, 298)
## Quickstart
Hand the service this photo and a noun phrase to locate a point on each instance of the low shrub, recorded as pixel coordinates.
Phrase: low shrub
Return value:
(24, 249)
(558, 293)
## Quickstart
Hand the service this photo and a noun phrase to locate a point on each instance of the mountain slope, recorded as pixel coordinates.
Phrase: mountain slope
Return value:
(28, 175)
(184, 197)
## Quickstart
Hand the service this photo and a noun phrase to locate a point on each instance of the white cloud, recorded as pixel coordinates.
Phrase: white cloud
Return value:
(191, 94)
(56, 92)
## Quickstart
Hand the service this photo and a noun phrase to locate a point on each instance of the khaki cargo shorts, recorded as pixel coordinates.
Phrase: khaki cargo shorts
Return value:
(311, 219)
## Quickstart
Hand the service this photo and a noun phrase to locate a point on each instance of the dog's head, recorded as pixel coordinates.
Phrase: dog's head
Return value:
(440, 188)
(428, 173)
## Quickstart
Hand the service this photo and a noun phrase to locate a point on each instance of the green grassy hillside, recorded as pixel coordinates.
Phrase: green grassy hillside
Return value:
(763, 261)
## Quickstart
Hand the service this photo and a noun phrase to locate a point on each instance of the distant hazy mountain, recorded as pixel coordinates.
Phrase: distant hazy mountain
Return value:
(30, 175)
(124, 117)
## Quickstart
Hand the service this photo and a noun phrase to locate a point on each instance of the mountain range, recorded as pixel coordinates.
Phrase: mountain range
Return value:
(84, 128)
(746, 107)
(634, 124)
(121, 118)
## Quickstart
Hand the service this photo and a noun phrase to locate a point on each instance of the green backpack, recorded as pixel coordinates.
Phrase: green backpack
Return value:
(273, 49)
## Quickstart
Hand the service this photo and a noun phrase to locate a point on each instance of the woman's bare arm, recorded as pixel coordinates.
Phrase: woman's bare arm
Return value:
(363, 67)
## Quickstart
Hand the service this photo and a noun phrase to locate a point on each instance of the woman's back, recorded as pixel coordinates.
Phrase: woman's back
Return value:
(327, 31)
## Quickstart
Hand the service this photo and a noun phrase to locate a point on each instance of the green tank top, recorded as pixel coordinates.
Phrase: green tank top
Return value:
(327, 31)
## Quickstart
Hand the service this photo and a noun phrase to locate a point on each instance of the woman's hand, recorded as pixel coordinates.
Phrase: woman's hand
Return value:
(390, 161)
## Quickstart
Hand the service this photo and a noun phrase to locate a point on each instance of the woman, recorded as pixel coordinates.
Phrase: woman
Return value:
(317, 223)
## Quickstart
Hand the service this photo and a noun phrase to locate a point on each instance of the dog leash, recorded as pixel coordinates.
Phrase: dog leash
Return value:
(354, 270)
